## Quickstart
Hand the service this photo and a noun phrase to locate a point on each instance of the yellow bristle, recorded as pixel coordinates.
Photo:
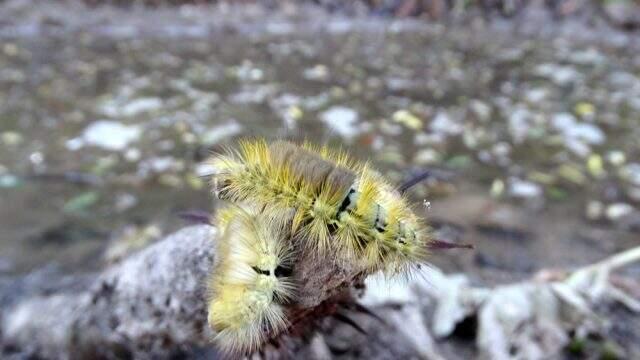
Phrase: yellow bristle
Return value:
(246, 295)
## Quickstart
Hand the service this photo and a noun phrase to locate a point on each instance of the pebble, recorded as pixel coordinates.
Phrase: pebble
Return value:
(588, 133)
(617, 211)
(584, 109)
(563, 121)
(443, 124)
(572, 173)
(132, 155)
(519, 124)
(318, 73)
(616, 157)
(589, 56)
(631, 172)
(501, 149)
(497, 188)
(524, 189)
(74, 144)
(221, 132)
(577, 147)
(577, 135)
(11, 138)
(560, 75)
(594, 210)
(9, 181)
(249, 73)
(342, 120)
(407, 119)
(110, 135)
(427, 157)
(125, 201)
(141, 105)
(536, 95)
(596, 166)
(388, 128)
(204, 169)
(252, 95)
(481, 110)
(162, 164)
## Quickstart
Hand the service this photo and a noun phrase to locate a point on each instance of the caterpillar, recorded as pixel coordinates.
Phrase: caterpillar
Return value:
(251, 281)
(340, 205)
(301, 229)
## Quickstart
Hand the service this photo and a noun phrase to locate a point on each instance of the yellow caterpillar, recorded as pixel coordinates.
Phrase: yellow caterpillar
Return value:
(251, 281)
(293, 211)
(339, 204)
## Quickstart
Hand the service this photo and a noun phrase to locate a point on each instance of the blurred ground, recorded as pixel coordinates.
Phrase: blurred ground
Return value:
(107, 113)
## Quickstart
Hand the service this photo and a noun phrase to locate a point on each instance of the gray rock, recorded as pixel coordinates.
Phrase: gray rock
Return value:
(149, 303)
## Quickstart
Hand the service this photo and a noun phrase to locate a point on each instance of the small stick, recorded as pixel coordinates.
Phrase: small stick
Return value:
(440, 244)
(426, 174)
(195, 216)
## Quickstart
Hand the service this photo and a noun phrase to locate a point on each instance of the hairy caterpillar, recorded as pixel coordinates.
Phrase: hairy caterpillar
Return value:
(339, 204)
(251, 281)
(293, 211)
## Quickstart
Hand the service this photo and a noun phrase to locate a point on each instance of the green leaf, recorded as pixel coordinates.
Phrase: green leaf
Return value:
(81, 202)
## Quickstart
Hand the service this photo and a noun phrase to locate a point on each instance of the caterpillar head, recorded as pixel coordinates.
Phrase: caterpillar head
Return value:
(251, 283)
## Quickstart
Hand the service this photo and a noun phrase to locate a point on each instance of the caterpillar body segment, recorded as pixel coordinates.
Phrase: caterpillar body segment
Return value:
(251, 282)
(340, 205)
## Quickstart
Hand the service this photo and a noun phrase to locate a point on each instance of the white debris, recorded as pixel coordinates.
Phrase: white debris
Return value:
(631, 173)
(410, 322)
(252, 95)
(524, 189)
(161, 165)
(204, 169)
(560, 75)
(577, 135)
(589, 56)
(319, 73)
(450, 310)
(617, 158)
(427, 157)
(141, 105)
(536, 95)
(563, 121)
(382, 291)
(520, 321)
(618, 210)
(132, 154)
(342, 120)
(481, 109)
(520, 123)
(443, 124)
(221, 132)
(125, 201)
(110, 135)
(588, 133)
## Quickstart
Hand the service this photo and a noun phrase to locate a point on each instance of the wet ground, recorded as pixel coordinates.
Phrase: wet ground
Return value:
(104, 129)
